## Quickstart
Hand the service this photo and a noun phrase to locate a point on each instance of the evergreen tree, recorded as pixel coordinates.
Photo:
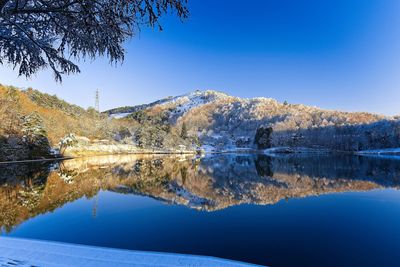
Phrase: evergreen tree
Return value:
(35, 135)
(263, 137)
(32, 128)
(184, 132)
(40, 34)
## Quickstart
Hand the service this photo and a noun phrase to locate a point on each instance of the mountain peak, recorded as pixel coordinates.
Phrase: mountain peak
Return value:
(208, 92)
(181, 103)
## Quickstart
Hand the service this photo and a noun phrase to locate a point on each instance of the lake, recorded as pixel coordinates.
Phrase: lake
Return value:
(286, 210)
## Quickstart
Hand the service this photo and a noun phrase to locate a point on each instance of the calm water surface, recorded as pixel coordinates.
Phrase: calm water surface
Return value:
(277, 211)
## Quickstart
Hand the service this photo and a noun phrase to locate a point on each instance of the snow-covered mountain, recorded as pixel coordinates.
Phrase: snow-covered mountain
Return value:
(181, 103)
(223, 121)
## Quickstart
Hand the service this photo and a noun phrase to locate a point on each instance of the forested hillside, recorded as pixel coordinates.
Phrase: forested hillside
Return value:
(220, 121)
(33, 122)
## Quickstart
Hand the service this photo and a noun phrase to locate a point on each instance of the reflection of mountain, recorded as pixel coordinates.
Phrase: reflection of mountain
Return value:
(211, 183)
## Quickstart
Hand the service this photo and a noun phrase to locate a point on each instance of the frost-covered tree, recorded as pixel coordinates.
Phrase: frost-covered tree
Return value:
(67, 141)
(33, 128)
(35, 134)
(36, 34)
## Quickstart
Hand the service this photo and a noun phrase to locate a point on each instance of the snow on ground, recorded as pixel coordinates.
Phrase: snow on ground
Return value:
(182, 103)
(4, 262)
(192, 100)
(23, 252)
(119, 115)
(185, 104)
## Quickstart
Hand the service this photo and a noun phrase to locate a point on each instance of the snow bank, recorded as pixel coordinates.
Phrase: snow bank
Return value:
(22, 252)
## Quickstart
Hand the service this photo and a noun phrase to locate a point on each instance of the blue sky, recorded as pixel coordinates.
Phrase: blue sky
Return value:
(333, 54)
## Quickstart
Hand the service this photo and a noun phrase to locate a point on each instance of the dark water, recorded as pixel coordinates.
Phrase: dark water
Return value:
(280, 211)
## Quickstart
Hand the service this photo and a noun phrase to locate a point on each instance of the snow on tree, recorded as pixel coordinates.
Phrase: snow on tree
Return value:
(33, 129)
(67, 141)
(36, 34)
(35, 134)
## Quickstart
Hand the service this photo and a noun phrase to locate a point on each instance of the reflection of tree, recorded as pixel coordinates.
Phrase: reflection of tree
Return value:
(211, 183)
(184, 174)
(21, 185)
(264, 166)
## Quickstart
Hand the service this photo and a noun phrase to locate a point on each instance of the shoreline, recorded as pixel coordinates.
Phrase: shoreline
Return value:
(271, 151)
(34, 160)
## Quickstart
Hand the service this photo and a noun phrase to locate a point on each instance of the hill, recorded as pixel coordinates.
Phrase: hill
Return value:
(32, 123)
(224, 122)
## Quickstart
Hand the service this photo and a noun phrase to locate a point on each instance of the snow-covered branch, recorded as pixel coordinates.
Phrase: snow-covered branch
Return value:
(37, 34)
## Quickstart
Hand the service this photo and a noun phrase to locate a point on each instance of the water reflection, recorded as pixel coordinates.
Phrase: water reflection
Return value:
(211, 183)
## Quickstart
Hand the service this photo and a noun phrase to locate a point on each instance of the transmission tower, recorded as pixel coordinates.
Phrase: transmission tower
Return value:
(97, 101)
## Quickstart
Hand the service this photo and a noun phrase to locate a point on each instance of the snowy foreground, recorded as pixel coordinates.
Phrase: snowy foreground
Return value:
(22, 252)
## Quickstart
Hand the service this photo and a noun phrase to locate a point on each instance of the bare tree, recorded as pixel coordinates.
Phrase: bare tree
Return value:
(36, 34)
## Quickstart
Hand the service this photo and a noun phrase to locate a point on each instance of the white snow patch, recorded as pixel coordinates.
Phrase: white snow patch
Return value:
(24, 252)
(194, 99)
(120, 115)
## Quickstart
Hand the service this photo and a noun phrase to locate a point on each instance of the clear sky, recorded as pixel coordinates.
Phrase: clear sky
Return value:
(337, 54)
